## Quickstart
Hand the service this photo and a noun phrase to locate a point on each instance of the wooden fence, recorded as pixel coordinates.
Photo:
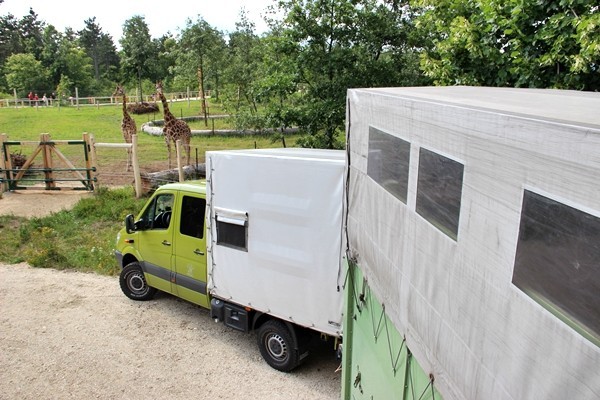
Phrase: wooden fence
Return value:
(56, 171)
(76, 170)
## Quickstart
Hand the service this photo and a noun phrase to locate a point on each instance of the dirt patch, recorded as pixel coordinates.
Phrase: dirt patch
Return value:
(37, 203)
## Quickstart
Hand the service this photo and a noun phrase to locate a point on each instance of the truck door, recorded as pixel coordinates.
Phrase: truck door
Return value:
(156, 241)
(190, 249)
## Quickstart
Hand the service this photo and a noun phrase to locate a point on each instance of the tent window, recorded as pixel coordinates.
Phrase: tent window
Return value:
(557, 262)
(232, 231)
(388, 162)
(439, 191)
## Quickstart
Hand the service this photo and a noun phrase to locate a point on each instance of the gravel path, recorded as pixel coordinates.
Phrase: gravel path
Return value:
(71, 335)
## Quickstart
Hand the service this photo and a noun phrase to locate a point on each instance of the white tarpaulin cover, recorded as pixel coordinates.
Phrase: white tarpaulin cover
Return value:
(290, 201)
(474, 214)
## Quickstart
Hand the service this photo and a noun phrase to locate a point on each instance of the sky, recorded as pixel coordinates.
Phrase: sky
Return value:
(160, 16)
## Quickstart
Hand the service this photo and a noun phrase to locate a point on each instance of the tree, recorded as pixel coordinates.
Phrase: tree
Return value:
(342, 44)
(166, 47)
(77, 66)
(199, 48)
(10, 38)
(19, 36)
(64, 87)
(100, 48)
(31, 30)
(138, 52)
(24, 73)
(514, 43)
(50, 54)
(277, 85)
(243, 64)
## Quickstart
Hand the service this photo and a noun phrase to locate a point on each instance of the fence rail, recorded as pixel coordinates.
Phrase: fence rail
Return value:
(17, 102)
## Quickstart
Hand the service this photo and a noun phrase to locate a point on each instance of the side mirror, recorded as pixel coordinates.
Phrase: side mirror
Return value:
(129, 224)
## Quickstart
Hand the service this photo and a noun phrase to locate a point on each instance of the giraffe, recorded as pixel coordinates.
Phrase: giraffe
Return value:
(128, 127)
(174, 129)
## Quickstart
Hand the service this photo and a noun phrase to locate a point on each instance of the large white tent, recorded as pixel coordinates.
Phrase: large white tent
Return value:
(474, 214)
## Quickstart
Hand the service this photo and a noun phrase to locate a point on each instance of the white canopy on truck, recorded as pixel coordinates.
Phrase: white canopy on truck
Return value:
(275, 239)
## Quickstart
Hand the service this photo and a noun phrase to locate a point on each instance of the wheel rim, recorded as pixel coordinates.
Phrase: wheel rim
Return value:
(137, 283)
(276, 346)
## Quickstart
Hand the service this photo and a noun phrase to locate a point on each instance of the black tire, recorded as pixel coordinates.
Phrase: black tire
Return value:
(278, 346)
(133, 283)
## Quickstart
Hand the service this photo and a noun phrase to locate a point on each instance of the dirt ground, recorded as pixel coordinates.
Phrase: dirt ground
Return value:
(37, 203)
(71, 335)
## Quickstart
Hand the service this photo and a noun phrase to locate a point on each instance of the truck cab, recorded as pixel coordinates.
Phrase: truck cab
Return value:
(164, 248)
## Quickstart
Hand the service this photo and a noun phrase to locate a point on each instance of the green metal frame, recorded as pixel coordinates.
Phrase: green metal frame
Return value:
(377, 363)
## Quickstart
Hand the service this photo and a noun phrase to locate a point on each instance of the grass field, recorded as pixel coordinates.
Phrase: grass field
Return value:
(104, 123)
(83, 238)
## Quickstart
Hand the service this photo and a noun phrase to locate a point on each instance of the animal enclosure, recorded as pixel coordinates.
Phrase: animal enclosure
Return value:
(85, 164)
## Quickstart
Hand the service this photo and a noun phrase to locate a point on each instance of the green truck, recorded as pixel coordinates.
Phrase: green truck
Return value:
(258, 243)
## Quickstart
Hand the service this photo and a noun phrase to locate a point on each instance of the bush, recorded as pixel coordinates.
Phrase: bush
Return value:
(81, 239)
(142, 108)
(17, 159)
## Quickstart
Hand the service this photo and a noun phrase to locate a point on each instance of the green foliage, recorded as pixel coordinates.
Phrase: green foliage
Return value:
(200, 48)
(138, 51)
(77, 67)
(244, 58)
(297, 74)
(9, 231)
(20, 36)
(512, 43)
(24, 73)
(101, 49)
(334, 45)
(63, 90)
(82, 239)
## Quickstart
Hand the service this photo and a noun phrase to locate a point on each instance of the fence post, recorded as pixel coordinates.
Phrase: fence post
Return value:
(179, 167)
(5, 164)
(94, 158)
(47, 156)
(136, 167)
(88, 161)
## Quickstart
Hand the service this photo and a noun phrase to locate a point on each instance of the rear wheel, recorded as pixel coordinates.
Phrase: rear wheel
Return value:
(133, 283)
(278, 346)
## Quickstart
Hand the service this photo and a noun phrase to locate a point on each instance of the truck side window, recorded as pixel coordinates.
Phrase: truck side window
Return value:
(192, 216)
(158, 214)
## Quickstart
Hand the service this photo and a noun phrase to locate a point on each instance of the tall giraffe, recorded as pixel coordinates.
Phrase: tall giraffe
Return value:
(174, 129)
(128, 127)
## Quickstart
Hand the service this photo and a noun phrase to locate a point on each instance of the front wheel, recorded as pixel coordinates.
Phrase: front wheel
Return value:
(278, 346)
(133, 283)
